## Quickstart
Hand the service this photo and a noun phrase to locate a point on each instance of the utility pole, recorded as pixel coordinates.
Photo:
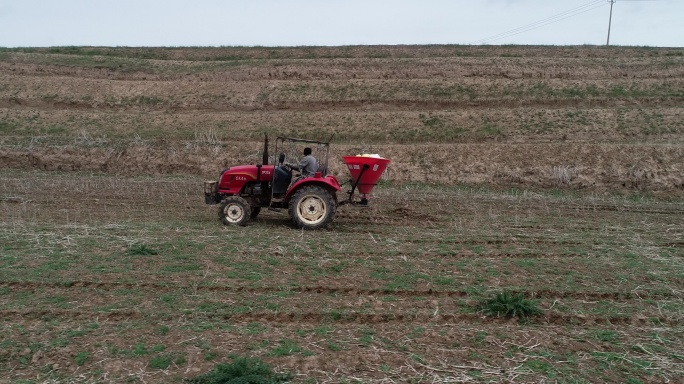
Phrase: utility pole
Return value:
(610, 20)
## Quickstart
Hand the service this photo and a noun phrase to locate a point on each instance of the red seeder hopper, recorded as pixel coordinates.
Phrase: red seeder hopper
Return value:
(365, 171)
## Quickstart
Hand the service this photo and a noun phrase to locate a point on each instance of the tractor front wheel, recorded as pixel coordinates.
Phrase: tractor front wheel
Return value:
(234, 210)
(312, 207)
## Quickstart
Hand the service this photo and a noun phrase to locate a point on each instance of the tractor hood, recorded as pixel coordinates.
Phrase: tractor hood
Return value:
(233, 178)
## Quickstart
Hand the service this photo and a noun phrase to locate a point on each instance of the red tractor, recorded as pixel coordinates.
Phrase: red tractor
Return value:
(242, 191)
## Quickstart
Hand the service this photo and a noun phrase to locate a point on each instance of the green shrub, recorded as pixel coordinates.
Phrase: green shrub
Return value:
(81, 358)
(510, 305)
(164, 361)
(160, 362)
(243, 370)
(141, 250)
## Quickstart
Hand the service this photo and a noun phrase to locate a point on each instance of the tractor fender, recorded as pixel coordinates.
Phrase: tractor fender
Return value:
(329, 182)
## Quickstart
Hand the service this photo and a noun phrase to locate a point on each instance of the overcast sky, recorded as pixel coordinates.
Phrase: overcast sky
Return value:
(25, 23)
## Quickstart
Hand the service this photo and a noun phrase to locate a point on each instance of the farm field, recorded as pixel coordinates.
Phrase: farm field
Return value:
(556, 173)
(594, 117)
(123, 287)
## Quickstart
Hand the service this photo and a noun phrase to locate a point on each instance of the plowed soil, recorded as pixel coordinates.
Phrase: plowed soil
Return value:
(537, 117)
(555, 173)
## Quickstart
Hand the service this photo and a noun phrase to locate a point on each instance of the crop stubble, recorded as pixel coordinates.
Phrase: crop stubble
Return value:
(387, 292)
(104, 153)
(593, 117)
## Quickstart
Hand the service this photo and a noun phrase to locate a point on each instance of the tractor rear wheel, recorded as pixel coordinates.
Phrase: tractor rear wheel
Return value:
(234, 210)
(255, 212)
(312, 207)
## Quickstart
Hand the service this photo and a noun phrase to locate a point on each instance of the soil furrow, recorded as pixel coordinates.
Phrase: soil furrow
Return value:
(348, 318)
(351, 291)
(340, 105)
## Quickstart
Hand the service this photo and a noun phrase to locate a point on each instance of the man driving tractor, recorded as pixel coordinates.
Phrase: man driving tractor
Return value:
(307, 166)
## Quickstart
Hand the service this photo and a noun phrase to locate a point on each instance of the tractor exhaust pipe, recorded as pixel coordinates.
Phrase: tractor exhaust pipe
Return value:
(264, 160)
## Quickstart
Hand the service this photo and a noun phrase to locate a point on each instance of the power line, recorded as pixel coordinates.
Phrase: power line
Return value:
(549, 20)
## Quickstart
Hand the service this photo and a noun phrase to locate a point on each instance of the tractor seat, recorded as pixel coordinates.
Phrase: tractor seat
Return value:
(323, 171)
